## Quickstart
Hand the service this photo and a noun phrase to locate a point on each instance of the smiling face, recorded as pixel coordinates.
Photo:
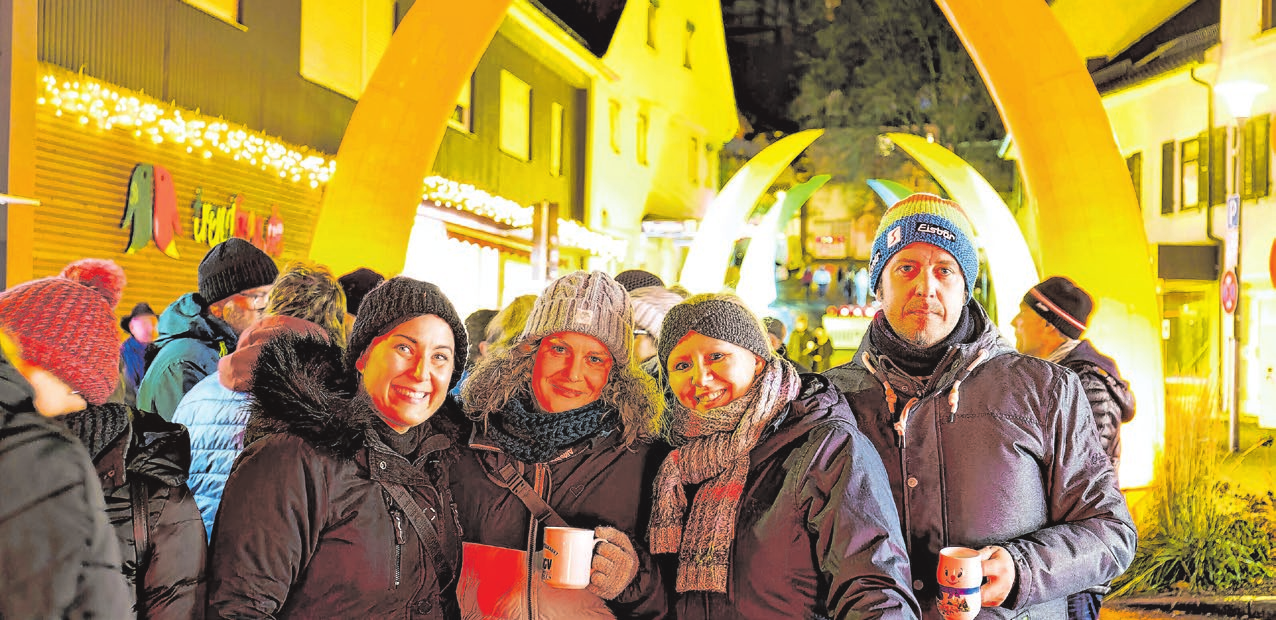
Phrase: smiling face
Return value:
(922, 293)
(706, 373)
(952, 576)
(406, 371)
(570, 371)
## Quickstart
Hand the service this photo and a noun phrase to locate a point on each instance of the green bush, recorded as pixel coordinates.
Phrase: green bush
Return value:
(1199, 535)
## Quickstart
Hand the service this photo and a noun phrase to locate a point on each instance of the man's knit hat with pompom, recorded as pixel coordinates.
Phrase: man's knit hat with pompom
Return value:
(65, 324)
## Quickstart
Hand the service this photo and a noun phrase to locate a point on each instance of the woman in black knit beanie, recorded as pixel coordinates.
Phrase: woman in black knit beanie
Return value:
(564, 416)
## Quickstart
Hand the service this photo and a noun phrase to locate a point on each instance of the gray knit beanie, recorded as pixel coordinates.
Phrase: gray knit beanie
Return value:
(724, 317)
(401, 299)
(651, 304)
(232, 267)
(586, 303)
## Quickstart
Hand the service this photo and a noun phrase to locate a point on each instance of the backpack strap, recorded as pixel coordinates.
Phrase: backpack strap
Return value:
(509, 478)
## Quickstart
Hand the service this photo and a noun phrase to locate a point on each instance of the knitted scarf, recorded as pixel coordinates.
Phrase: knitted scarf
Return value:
(98, 425)
(531, 436)
(915, 361)
(717, 455)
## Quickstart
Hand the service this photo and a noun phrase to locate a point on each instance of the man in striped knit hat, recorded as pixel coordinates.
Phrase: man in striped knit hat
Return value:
(985, 448)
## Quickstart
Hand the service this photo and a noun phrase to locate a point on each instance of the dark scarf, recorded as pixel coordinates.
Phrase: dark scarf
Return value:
(97, 426)
(530, 436)
(406, 444)
(918, 363)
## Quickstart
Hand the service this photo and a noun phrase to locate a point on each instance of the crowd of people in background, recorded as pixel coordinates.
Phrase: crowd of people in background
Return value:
(287, 443)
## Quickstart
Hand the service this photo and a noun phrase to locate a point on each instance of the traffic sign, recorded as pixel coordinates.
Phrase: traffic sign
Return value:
(1233, 212)
(1229, 291)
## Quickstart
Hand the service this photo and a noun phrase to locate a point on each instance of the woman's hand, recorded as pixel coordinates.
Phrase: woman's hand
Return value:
(999, 568)
(615, 563)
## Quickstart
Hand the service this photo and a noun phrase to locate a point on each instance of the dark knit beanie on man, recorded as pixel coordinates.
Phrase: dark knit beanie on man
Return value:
(232, 267)
(634, 279)
(65, 324)
(1062, 304)
(357, 284)
(401, 299)
(925, 218)
(723, 317)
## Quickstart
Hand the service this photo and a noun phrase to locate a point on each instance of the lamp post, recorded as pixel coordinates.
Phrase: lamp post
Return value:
(1239, 97)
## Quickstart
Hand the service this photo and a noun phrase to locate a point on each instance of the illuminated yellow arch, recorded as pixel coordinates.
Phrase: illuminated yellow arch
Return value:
(1089, 218)
(392, 139)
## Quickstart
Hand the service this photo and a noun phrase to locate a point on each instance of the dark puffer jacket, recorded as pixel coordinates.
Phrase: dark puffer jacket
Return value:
(154, 455)
(1111, 400)
(1017, 464)
(305, 527)
(598, 483)
(817, 535)
(58, 555)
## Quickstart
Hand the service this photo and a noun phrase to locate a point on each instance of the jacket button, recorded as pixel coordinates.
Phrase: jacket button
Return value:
(912, 482)
(917, 584)
(424, 606)
(381, 465)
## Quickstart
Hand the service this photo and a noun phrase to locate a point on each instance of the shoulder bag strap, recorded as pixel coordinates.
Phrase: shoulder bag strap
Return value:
(509, 478)
(424, 530)
(141, 535)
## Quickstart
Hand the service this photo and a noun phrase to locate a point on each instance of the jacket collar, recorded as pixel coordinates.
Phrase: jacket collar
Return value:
(187, 317)
(150, 447)
(816, 402)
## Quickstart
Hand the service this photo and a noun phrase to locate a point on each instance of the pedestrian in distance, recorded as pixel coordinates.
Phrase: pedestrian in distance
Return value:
(986, 448)
(792, 515)
(141, 325)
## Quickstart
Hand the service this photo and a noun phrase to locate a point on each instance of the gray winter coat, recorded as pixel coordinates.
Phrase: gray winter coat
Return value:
(997, 449)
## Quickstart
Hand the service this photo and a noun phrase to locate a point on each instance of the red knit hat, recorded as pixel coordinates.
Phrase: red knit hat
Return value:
(66, 325)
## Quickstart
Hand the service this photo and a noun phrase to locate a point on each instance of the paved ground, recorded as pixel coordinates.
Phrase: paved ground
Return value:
(1110, 612)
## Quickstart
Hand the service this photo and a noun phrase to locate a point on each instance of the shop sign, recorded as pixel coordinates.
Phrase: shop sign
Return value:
(216, 223)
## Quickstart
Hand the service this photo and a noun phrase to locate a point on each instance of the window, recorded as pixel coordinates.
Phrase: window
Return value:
(1214, 171)
(461, 115)
(652, 7)
(1269, 7)
(1167, 177)
(1134, 164)
(556, 139)
(693, 162)
(643, 128)
(686, 45)
(340, 47)
(225, 9)
(613, 114)
(1189, 179)
(516, 116)
(1256, 161)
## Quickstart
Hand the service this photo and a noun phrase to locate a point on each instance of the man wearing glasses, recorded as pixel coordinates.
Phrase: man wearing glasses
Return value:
(199, 328)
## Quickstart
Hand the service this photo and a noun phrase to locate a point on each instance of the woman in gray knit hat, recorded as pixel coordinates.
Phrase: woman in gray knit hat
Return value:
(563, 419)
(792, 515)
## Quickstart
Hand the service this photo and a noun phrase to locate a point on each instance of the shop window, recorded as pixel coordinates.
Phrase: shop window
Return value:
(644, 124)
(1256, 162)
(1269, 7)
(686, 45)
(653, 8)
(556, 139)
(227, 10)
(516, 116)
(340, 47)
(1190, 173)
(1134, 164)
(1167, 178)
(462, 118)
(693, 162)
(613, 128)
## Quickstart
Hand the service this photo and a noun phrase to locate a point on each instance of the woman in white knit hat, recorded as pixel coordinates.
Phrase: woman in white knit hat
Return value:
(563, 422)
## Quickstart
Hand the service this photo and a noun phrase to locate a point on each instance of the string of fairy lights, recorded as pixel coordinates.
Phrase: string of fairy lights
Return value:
(105, 107)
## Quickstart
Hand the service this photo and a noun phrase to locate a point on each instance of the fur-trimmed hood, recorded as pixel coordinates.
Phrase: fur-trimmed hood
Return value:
(301, 386)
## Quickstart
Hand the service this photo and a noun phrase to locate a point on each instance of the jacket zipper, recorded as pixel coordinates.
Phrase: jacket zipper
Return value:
(399, 540)
(539, 472)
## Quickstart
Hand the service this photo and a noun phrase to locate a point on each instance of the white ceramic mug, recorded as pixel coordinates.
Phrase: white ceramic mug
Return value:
(960, 574)
(568, 555)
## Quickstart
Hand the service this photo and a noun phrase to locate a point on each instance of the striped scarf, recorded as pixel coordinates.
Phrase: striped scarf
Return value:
(717, 454)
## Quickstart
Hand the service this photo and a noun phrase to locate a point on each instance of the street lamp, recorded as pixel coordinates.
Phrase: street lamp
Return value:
(1239, 97)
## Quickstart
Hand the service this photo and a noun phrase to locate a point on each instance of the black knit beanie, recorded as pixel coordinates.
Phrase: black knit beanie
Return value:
(634, 279)
(357, 284)
(1062, 304)
(234, 266)
(400, 299)
(724, 317)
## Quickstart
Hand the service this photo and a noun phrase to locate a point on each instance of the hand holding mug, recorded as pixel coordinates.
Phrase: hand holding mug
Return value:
(615, 564)
(999, 567)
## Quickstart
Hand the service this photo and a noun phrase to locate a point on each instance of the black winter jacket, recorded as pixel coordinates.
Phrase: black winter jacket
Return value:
(58, 555)
(1017, 464)
(306, 528)
(155, 454)
(817, 535)
(1111, 400)
(596, 483)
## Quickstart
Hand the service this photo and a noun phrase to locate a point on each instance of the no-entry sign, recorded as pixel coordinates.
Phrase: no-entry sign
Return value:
(1228, 291)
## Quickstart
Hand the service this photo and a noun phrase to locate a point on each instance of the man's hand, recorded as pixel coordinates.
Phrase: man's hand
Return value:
(999, 568)
(615, 563)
